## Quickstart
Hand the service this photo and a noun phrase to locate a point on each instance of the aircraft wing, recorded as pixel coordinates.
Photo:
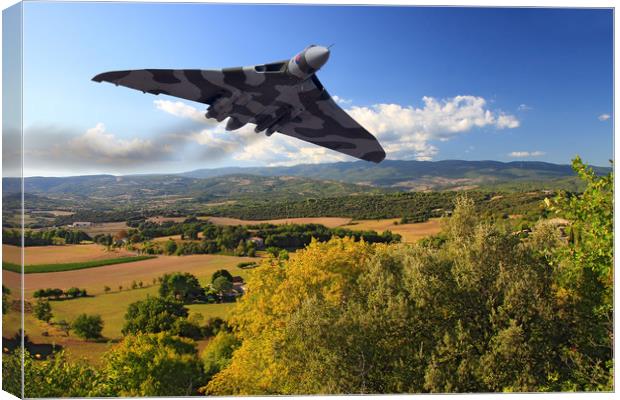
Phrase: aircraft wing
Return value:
(324, 123)
(263, 95)
(203, 86)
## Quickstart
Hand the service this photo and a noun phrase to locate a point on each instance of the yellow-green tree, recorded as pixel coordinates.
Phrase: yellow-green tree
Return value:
(152, 365)
(326, 271)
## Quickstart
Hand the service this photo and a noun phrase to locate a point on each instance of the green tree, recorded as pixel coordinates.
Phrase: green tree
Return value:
(191, 233)
(54, 377)
(5, 299)
(43, 310)
(153, 365)
(218, 353)
(88, 326)
(222, 285)
(479, 313)
(170, 247)
(585, 273)
(221, 272)
(251, 249)
(153, 315)
(181, 286)
(73, 292)
(241, 249)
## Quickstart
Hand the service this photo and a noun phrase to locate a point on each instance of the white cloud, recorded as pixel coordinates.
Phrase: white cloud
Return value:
(525, 154)
(405, 132)
(182, 110)
(604, 117)
(341, 100)
(99, 146)
(524, 107)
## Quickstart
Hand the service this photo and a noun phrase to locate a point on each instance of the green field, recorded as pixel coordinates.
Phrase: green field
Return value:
(112, 308)
(38, 268)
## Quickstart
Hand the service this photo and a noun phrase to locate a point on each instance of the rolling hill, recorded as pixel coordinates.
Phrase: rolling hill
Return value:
(308, 180)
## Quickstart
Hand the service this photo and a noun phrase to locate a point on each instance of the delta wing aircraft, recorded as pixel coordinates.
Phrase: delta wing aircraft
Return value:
(284, 96)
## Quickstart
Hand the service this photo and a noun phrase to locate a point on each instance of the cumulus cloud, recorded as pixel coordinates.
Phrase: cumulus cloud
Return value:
(526, 154)
(182, 110)
(98, 145)
(341, 100)
(604, 117)
(405, 132)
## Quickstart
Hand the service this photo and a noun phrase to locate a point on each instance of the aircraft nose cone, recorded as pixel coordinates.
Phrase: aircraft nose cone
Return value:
(317, 56)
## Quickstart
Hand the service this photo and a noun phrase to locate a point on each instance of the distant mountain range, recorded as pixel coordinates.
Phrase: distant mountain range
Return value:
(310, 180)
(412, 175)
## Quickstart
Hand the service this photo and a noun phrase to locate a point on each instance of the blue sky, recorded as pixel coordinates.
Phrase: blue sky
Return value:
(431, 83)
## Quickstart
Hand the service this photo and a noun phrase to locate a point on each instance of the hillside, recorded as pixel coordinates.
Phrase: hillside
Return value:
(419, 175)
(313, 180)
(171, 188)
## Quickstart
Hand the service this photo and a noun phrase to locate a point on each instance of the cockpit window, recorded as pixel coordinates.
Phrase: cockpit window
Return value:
(274, 67)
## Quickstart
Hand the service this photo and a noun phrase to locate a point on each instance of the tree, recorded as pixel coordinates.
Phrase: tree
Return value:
(191, 233)
(218, 353)
(73, 292)
(241, 248)
(222, 285)
(170, 247)
(5, 299)
(43, 310)
(54, 377)
(477, 314)
(88, 326)
(585, 270)
(153, 315)
(182, 286)
(153, 365)
(106, 289)
(221, 272)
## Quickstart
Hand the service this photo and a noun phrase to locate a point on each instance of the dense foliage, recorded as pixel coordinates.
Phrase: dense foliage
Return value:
(363, 206)
(140, 365)
(585, 275)
(410, 206)
(55, 236)
(152, 365)
(207, 238)
(482, 310)
(57, 293)
(153, 315)
(183, 287)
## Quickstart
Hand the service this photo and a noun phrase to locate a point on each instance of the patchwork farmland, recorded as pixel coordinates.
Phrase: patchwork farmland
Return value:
(111, 288)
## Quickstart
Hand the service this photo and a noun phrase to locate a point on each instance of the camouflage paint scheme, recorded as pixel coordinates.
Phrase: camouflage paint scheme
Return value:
(284, 96)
